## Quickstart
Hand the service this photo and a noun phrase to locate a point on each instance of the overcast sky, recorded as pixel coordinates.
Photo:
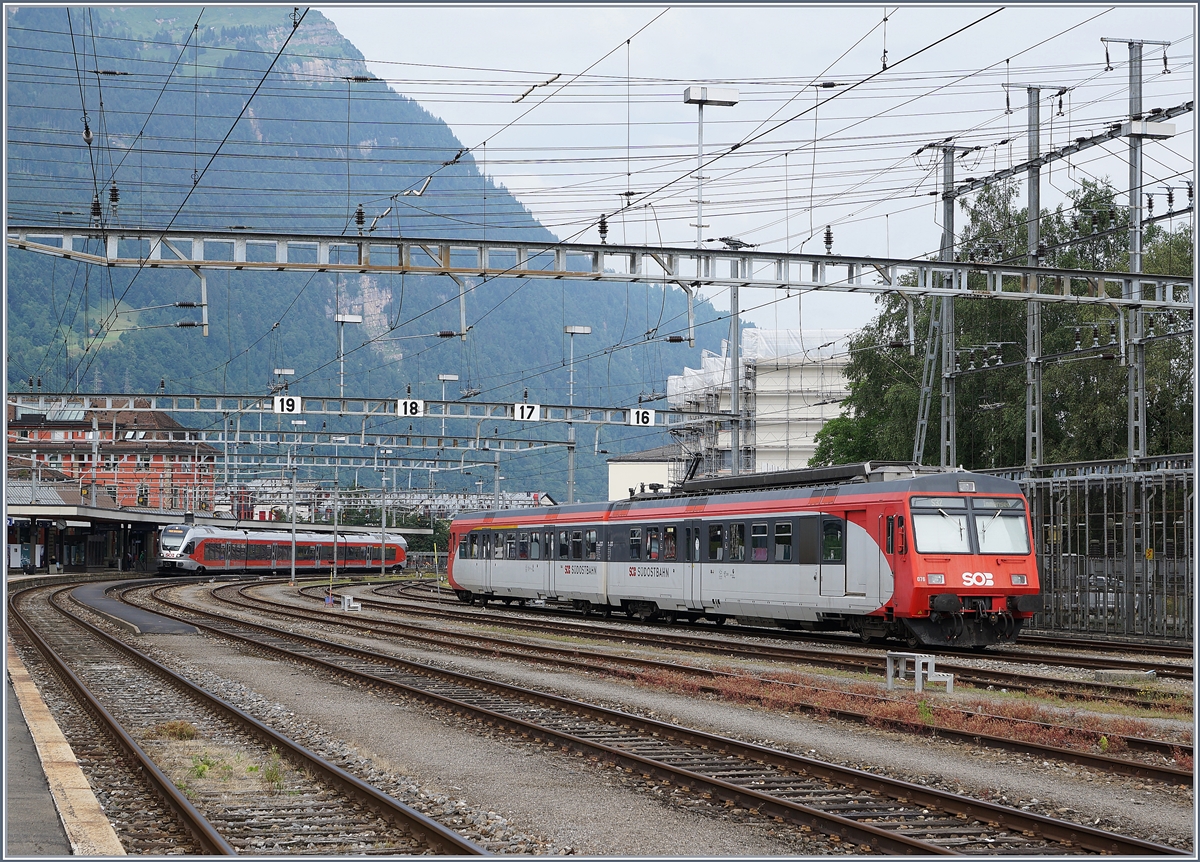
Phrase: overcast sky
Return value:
(614, 120)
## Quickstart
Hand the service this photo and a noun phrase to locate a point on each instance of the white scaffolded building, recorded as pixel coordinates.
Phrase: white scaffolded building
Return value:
(792, 382)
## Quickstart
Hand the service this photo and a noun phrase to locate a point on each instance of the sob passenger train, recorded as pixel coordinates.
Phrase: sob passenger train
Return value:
(928, 556)
(193, 548)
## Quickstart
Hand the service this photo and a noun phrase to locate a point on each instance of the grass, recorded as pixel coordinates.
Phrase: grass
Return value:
(273, 772)
(176, 729)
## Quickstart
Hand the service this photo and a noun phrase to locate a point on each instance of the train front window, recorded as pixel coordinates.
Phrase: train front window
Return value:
(1001, 533)
(172, 537)
(941, 532)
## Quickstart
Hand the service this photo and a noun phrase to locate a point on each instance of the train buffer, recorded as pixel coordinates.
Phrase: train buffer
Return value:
(924, 670)
(348, 604)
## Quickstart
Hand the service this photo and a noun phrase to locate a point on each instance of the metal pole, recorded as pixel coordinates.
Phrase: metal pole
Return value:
(735, 375)
(336, 461)
(293, 466)
(496, 502)
(570, 437)
(948, 447)
(1136, 369)
(382, 525)
(699, 176)
(1033, 312)
(341, 361)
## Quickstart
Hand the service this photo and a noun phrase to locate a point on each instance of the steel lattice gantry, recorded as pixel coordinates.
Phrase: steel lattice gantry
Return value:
(686, 267)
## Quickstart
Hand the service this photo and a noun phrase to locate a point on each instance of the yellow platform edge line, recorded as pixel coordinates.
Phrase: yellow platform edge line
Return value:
(87, 827)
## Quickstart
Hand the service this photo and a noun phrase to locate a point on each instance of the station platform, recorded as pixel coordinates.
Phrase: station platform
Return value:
(136, 620)
(50, 809)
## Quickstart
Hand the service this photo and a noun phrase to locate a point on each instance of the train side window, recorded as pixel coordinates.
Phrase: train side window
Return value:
(189, 548)
(652, 546)
(783, 541)
(669, 543)
(831, 541)
(758, 542)
(473, 546)
(591, 545)
(890, 543)
(498, 546)
(523, 546)
(903, 535)
(564, 546)
(737, 542)
(535, 546)
(716, 544)
(485, 546)
(549, 544)
(462, 548)
(576, 544)
(635, 543)
(510, 546)
(808, 551)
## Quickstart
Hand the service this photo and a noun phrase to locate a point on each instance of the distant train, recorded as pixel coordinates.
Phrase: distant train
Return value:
(931, 557)
(191, 548)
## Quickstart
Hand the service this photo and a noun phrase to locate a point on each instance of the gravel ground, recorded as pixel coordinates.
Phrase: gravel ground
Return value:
(464, 774)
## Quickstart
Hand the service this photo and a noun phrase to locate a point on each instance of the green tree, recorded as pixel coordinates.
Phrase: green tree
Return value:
(1083, 381)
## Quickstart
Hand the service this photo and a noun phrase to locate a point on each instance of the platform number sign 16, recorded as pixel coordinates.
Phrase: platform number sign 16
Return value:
(641, 418)
(286, 403)
(410, 407)
(527, 412)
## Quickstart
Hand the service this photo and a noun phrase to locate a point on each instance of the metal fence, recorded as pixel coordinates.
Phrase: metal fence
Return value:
(1115, 547)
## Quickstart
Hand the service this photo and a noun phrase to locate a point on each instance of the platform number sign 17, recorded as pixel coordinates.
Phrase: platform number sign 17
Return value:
(641, 418)
(410, 407)
(527, 412)
(286, 403)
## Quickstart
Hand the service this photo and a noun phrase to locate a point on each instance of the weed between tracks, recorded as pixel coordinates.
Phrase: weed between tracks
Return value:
(1080, 731)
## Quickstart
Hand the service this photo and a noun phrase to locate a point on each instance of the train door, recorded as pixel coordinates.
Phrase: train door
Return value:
(863, 557)
(691, 565)
(548, 562)
(833, 556)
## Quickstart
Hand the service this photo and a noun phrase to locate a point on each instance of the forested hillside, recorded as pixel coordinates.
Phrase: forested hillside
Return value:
(319, 138)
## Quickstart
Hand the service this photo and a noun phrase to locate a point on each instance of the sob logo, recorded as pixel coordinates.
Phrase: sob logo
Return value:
(977, 579)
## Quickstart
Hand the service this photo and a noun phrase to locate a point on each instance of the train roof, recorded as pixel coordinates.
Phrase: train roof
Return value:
(871, 478)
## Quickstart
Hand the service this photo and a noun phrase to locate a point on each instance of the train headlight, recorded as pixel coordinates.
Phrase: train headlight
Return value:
(1019, 580)
(937, 579)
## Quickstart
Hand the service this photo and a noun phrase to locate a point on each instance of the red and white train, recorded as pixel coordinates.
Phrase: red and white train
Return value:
(194, 548)
(933, 557)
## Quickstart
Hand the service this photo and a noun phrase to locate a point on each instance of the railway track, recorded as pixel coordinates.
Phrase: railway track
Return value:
(856, 809)
(1151, 662)
(266, 794)
(860, 659)
(580, 659)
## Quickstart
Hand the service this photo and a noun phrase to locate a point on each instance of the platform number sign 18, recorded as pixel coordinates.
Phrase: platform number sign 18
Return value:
(410, 407)
(641, 418)
(527, 412)
(286, 404)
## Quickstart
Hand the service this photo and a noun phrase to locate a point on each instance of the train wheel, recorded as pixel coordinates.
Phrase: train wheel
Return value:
(507, 601)
(607, 612)
(912, 641)
(718, 621)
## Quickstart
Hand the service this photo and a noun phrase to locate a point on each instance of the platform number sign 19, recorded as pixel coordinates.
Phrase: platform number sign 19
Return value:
(410, 407)
(527, 412)
(286, 404)
(641, 418)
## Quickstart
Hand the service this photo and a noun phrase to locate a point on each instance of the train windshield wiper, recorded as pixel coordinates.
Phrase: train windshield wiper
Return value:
(952, 521)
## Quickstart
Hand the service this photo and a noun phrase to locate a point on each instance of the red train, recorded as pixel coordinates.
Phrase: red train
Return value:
(189, 548)
(932, 557)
